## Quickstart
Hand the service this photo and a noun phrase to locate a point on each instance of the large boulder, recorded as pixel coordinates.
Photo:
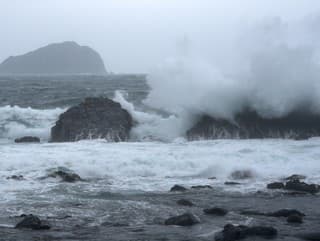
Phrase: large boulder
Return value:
(93, 119)
(249, 124)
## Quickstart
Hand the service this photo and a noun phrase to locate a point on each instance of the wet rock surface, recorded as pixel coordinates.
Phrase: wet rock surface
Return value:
(216, 211)
(75, 215)
(93, 119)
(31, 222)
(185, 202)
(27, 139)
(186, 219)
(248, 124)
(231, 232)
(64, 174)
(178, 188)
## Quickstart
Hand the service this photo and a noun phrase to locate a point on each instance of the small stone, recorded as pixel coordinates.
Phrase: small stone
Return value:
(185, 202)
(201, 187)
(286, 213)
(232, 183)
(178, 188)
(216, 211)
(187, 219)
(27, 139)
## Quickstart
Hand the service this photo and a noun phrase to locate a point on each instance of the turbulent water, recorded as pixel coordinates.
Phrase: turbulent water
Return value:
(119, 177)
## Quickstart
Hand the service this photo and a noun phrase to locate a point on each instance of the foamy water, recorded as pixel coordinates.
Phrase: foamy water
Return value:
(154, 166)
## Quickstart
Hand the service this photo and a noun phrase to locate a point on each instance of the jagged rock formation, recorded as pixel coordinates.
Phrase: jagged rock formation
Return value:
(94, 118)
(58, 58)
(249, 124)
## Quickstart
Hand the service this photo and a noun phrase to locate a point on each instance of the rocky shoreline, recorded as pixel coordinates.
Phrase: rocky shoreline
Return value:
(183, 213)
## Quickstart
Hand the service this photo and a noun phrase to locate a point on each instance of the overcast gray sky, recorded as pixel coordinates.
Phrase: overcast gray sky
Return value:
(133, 35)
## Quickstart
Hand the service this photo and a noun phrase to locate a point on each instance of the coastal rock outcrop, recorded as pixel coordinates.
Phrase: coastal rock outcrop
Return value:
(58, 58)
(248, 125)
(92, 119)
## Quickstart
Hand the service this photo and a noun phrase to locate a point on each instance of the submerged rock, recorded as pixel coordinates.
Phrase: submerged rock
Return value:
(312, 236)
(16, 177)
(31, 222)
(275, 185)
(232, 183)
(242, 174)
(65, 174)
(185, 202)
(216, 211)
(92, 119)
(178, 188)
(286, 213)
(295, 177)
(231, 232)
(280, 213)
(295, 219)
(27, 139)
(249, 124)
(296, 185)
(202, 187)
(187, 219)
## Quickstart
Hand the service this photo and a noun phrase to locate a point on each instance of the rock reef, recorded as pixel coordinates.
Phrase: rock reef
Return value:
(94, 118)
(250, 125)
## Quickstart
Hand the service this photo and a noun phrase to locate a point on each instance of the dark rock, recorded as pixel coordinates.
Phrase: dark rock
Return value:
(231, 232)
(212, 178)
(314, 236)
(286, 213)
(232, 183)
(187, 219)
(280, 213)
(94, 118)
(275, 185)
(201, 187)
(16, 177)
(185, 202)
(31, 222)
(65, 174)
(296, 185)
(178, 188)
(27, 139)
(216, 211)
(301, 137)
(242, 174)
(295, 177)
(58, 58)
(294, 219)
(249, 124)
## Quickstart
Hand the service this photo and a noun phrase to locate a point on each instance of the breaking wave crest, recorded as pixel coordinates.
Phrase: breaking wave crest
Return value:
(16, 122)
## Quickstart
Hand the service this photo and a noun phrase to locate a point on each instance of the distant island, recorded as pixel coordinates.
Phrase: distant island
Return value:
(58, 58)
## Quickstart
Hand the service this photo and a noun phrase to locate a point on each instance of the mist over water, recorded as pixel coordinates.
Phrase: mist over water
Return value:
(271, 67)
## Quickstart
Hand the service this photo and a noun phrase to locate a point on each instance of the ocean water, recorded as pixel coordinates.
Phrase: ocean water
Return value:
(152, 162)
(30, 105)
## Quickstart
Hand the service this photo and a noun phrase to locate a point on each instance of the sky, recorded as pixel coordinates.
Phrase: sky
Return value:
(133, 36)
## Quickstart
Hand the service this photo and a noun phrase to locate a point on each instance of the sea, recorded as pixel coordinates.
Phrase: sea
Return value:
(126, 184)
